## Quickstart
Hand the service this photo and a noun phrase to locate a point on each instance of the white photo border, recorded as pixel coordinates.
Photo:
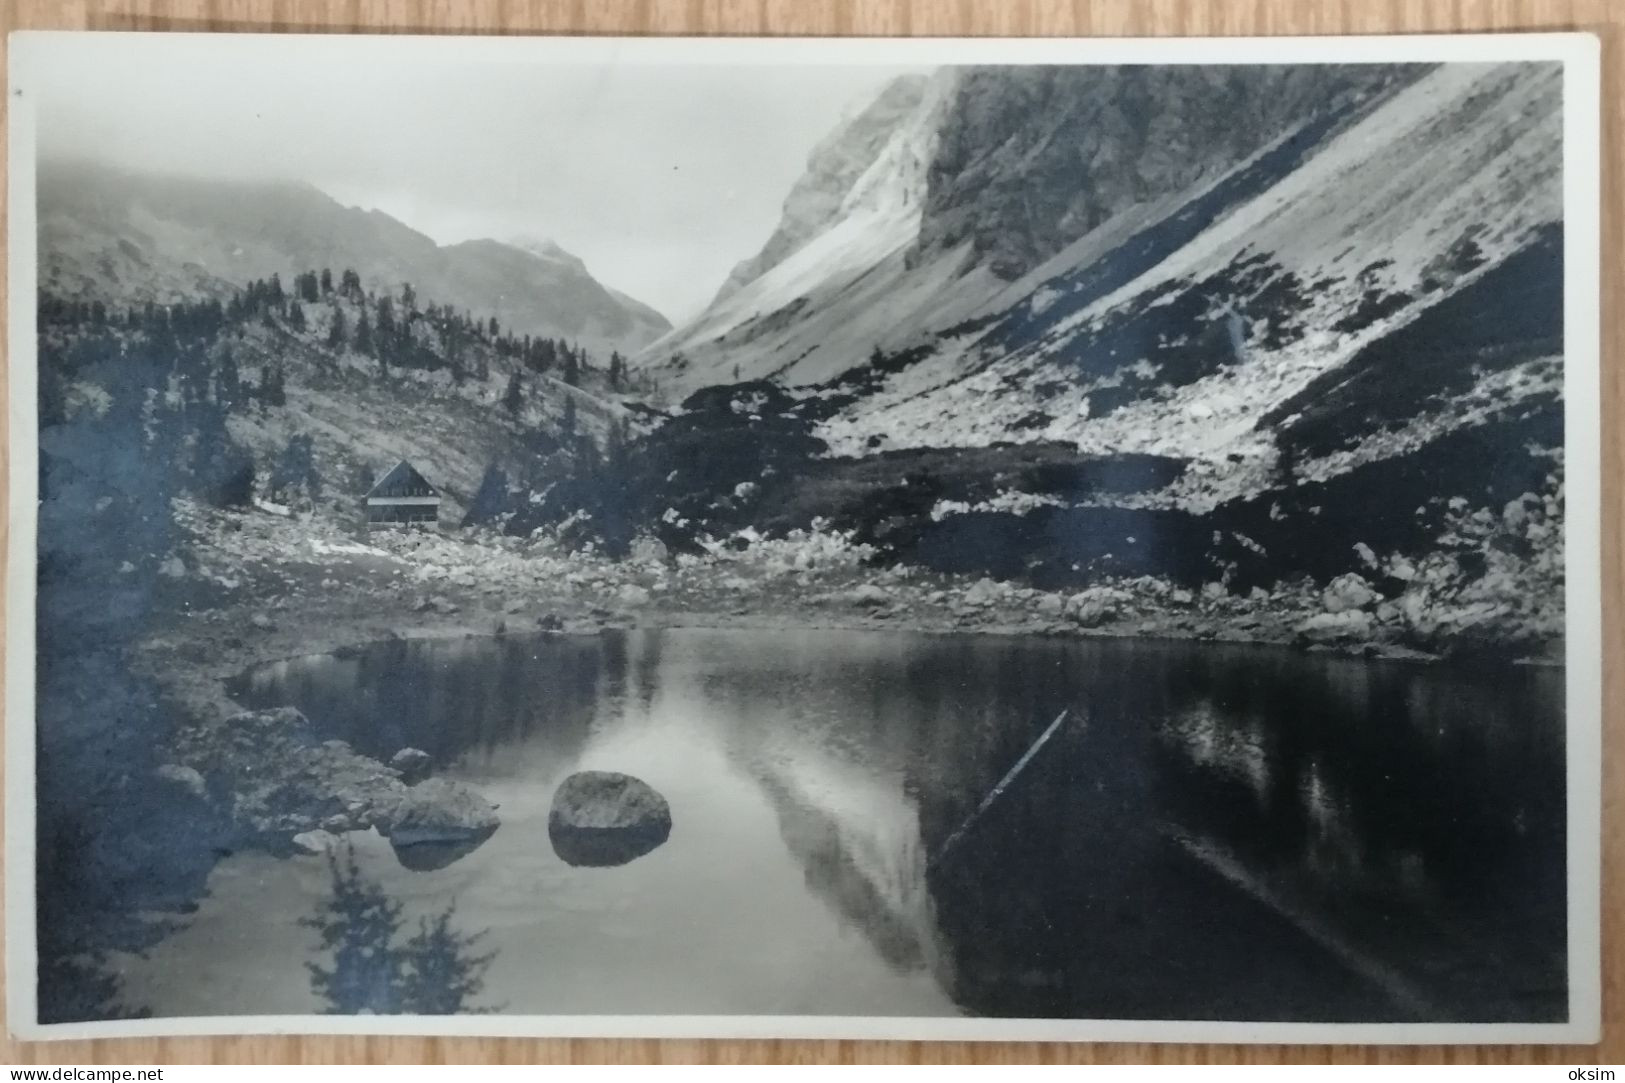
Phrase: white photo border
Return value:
(1579, 53)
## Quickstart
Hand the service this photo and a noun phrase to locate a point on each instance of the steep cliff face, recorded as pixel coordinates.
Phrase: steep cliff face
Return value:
(124, 237)
(834, 168)
(837, 250)
(977, 179)
(1030, 159)
(1181, 334)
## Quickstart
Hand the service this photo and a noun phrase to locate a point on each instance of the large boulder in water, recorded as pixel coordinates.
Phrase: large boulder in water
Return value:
(438, 811)
(602, 818)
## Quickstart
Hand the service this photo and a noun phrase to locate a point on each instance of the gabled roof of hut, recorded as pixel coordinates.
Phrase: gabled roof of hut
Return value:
(402, 479)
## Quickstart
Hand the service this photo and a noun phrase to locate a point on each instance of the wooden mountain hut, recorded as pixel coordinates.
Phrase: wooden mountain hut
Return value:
(402, 497)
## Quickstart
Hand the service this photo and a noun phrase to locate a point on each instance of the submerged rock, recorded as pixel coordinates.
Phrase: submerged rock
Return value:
(413, 764)
(604, 818)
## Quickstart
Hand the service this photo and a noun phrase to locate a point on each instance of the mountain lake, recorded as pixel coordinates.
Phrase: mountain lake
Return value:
(1211, 832)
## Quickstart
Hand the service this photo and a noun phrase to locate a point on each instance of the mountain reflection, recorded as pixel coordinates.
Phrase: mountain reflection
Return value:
(872, 876)
(1218, 832)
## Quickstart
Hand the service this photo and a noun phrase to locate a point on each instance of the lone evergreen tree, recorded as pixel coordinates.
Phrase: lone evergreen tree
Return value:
(491, 499)
(273, 386)
(228, 381)
(514, 397)
(363, 333)
(615, 448)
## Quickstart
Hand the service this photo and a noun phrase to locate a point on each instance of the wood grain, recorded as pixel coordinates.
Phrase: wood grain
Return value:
(972, 18)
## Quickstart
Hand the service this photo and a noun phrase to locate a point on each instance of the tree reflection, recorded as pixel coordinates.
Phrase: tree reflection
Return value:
(435, 971)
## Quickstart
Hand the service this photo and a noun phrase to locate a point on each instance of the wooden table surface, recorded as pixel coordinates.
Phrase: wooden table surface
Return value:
(1605, 18)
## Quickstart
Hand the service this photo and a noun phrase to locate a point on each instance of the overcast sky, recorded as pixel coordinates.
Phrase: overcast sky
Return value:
(660, 178)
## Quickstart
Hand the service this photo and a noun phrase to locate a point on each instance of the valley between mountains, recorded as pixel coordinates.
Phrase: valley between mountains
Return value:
(1235, 353)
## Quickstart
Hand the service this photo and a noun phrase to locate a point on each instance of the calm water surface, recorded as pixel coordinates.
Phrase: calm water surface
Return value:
(1216, 832)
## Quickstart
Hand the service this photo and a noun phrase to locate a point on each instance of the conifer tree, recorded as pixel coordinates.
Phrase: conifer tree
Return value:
(514, 397)
(273, 387)
(228, 382)
(363, 333)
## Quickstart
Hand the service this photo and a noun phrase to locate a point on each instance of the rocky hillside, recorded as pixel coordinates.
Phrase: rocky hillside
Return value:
(819, 199)
(305, 402)
(1334, 330)
(1178, 334)
(1030, 159)
(121, 237)
(934, 205)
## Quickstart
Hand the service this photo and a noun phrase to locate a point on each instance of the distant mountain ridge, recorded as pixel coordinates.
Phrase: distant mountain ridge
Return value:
(127, 236)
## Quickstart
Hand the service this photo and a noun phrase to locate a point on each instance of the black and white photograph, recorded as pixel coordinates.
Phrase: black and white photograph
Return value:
(871, 538)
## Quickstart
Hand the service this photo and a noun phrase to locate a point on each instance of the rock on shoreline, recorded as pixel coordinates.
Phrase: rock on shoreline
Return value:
(437, 811)
(281, 780)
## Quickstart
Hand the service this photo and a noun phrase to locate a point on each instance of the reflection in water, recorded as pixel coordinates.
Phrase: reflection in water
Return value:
(605, 848)
(1227, 832)
(435, 971)
(873, 878)
(437, 854)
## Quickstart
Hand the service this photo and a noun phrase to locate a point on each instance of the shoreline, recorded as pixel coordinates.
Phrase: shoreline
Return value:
(249, 589)
(195, 654)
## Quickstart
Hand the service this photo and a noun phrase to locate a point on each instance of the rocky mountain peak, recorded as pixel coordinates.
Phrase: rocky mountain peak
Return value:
(545, 248)
(834, 168)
